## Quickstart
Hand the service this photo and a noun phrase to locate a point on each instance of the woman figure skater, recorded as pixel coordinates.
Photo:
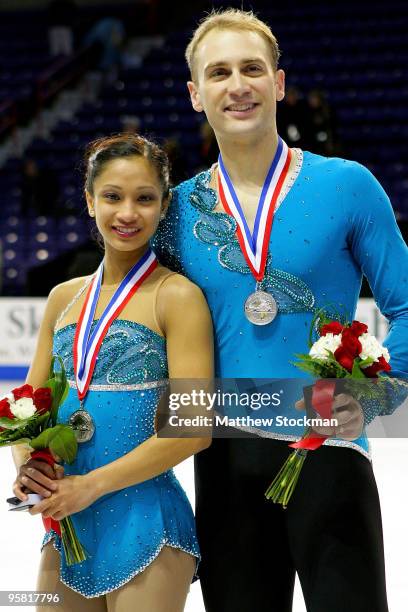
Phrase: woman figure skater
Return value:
(121, 333)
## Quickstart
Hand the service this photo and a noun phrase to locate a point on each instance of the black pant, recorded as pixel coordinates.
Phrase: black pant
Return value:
(330, 534)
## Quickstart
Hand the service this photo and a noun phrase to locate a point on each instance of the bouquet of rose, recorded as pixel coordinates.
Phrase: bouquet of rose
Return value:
(30, 416)
(344, 351)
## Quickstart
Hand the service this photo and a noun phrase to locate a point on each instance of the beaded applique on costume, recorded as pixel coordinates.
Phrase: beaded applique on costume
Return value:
(132, 354)
(219, 229)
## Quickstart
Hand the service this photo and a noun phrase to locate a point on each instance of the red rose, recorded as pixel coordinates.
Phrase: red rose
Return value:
(358, 328)
(378, 366)
(24, 391)
(350, 343)
(331, 328)
(42, 399)
(5, 409)
(344, 358)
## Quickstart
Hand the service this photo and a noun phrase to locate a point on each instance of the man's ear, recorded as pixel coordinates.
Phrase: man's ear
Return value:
(90, 203)
(194, 97)
(280, 85)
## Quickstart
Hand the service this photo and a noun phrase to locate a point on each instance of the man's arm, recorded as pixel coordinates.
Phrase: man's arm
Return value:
(379, 249)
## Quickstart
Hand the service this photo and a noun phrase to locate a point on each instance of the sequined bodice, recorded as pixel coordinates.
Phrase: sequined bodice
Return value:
(130, 354)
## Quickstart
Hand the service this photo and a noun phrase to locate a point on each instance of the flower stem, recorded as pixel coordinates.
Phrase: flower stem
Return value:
(281, 489)
(74, 551)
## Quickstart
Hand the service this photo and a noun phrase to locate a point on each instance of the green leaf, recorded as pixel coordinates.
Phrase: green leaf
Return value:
(43, 419)
(321, 318)
(7, 423)
(44, 439)
(52, 385)
(14, 423)
(65, 393)
(58, 384)
(366, 362)
(356, 372)
(64, 444)
(303, 355)
(60, 439)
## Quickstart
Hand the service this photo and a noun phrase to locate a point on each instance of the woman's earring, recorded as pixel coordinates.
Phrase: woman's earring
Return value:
(91, 213)
(162, 216)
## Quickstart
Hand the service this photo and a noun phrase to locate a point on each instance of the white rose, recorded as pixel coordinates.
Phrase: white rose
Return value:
(23, 408)
(329, 342)
(386, 354)
(372, 349)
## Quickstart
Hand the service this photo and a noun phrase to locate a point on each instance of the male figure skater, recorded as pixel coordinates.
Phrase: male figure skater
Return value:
(331, 223)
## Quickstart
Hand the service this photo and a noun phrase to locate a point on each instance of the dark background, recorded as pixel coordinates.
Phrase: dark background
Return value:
(346, 66)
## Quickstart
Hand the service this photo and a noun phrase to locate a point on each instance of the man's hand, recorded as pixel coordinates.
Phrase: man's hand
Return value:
(37, 477)
(349, 414)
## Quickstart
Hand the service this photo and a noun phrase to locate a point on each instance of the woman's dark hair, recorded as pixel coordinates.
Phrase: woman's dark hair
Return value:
(101, 151)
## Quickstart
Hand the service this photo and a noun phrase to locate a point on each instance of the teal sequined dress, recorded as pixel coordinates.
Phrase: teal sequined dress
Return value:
(124, 531)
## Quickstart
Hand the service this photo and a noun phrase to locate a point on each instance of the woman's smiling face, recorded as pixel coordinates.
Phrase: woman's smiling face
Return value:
(127, 200)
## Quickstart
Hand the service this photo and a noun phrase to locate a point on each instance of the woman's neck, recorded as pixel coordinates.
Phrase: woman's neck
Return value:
(116, 264)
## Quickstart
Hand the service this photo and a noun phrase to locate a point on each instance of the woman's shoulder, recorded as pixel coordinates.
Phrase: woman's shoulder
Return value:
(176, 292)
(68, 289)
(173, 283)
(181, 307)
(61, 295)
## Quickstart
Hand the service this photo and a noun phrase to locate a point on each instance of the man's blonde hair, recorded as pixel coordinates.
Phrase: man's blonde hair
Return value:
(231, 19)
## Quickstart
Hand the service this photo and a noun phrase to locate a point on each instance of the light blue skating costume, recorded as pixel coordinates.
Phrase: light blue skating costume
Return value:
(123, 532)
(333, 224)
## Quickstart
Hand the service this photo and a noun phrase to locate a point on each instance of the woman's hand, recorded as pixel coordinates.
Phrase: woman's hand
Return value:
(37, 477)
(73, 494)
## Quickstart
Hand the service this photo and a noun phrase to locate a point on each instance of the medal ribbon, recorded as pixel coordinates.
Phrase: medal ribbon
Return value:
(87, 345)
(255, 246)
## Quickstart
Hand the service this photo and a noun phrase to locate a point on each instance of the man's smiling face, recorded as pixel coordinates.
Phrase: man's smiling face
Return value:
(235, 83)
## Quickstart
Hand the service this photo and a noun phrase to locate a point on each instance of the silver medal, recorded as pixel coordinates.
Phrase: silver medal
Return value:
(260, 308)
(83, 425)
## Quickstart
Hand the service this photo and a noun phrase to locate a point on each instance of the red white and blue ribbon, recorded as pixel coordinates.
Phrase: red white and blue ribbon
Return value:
(87, 345)
(255, 246)
(322, 401)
